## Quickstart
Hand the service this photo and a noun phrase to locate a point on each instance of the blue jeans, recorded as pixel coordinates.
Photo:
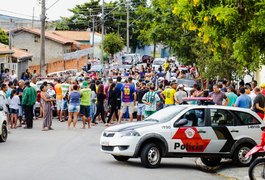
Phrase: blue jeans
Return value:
(92, 110)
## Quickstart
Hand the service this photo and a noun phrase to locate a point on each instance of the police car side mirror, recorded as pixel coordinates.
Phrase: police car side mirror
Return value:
(180, 123)
(1, 108)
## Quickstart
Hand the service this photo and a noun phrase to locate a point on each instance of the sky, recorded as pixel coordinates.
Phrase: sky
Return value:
(24, 8)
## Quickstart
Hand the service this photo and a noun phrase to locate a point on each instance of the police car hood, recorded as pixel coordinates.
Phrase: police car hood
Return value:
(129, 126)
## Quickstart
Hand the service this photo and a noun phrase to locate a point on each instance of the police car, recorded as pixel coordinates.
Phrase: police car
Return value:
(3, 126)
(210, 132)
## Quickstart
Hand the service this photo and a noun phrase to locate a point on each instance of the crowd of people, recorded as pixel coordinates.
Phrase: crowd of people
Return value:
(114, 95)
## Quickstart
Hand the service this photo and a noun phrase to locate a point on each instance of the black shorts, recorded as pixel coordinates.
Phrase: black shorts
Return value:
(119, 104)
(13, 111)
(84, 111)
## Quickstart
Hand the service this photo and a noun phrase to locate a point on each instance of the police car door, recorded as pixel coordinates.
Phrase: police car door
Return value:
(247, 126)
(192, 137)
(223, 124)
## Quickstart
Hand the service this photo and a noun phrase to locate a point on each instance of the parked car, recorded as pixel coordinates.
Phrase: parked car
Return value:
(130, 59)
(157, 63)
(210, 132)
(96, 68)
(3, 126)
(188, 83)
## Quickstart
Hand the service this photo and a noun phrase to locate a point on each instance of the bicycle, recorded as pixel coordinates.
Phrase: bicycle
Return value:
(257, 168)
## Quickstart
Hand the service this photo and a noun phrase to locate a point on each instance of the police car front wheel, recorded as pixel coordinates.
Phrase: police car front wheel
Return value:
(151, 155)
(4, 134)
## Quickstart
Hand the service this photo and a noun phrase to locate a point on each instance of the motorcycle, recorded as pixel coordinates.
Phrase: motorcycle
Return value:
(257, 168)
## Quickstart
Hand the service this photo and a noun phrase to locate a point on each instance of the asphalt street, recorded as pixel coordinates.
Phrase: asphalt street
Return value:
(31, 154)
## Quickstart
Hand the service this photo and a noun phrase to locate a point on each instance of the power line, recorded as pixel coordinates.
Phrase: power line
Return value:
(25, 15)
(52, 5)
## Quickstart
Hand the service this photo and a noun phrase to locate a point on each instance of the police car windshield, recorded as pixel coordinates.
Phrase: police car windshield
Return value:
(165, 114)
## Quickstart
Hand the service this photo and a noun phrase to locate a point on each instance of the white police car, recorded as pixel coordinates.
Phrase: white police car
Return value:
(209, 132)
(3, 126)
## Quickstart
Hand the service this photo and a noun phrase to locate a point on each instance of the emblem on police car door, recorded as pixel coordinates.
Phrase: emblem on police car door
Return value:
(190, 133)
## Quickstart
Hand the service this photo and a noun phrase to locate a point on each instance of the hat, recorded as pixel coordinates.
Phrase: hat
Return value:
(262, 85)
(85, 84)
(180, 86)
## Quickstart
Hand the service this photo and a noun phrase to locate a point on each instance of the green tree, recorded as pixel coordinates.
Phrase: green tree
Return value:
(3, 37)
(113, 43)
(114, 19)
(224, 38)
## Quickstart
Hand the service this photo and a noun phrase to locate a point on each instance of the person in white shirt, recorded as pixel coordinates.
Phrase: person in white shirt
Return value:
(14, 102)
(13, 76)
(33, 83)
(180, 94)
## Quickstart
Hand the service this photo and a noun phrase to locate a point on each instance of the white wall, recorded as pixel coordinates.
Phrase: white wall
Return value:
(260, 75)
(53, 50)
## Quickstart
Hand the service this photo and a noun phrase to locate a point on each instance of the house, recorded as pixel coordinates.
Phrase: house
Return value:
(59, 46)
(56, 46)
(14, 59)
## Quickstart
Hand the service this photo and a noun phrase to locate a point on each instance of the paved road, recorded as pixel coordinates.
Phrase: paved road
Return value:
(74, 154)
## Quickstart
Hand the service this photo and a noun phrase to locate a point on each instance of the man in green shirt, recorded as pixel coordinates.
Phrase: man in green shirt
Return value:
(28, 100)
(151, 100)
(85, 104)
(231, 96)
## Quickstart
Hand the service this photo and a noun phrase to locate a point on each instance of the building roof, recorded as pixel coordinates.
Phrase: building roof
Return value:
(16, 53)
(49, 35)
(74, 35)
(5, 51)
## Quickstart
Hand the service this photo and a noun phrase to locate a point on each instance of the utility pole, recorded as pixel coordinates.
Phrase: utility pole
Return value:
(93, 36)
(128, 25)
(33, 17)
(10, 33)
(42, 36)
(102, 31)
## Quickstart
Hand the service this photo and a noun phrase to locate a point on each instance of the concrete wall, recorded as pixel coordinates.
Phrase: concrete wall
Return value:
(62, 65)
(260, 75)
(31, 43)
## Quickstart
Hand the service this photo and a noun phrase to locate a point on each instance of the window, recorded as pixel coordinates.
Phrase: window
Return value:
(220, 117)
(36, 39)
(246, 119)
(195, 117)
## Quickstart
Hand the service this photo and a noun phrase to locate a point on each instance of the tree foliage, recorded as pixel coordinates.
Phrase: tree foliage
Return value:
(224, 38)
(113, 43)
(114, 19)
(3, 37)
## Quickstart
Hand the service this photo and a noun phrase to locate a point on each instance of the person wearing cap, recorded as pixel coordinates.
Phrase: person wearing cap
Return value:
(259, 103)
(180, 94)
(128, 96)
(231, 95)
(28, 100)
(168, 94)
(85, 104)
(243, 101)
